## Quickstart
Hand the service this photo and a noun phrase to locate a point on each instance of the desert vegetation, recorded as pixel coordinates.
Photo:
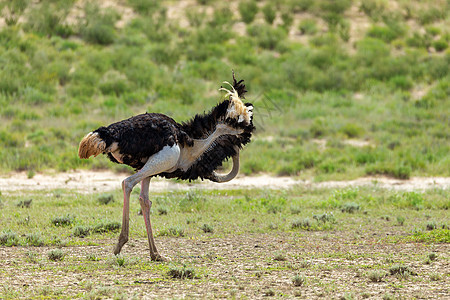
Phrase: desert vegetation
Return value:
(343, 88)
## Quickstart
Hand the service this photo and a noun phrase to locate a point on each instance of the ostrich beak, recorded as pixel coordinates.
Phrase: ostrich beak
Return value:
(227, 177)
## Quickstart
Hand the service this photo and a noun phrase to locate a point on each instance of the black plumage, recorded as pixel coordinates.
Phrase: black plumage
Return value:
(141, 136)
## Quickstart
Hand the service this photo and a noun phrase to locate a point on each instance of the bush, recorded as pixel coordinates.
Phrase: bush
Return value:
(266, 36)
(34, 239)
(55, 255)
(82, 231)
(248, 10)
(98, 27)
(350, 207)
(373, 8)
(181, 272)
(440, 45)
(107, 227)
(298, 280)
(207, 228)
(384, 33)
(172, 231)
(63, 221)
(9, 238)
(105, 199)
(308, 26)
(269, 13)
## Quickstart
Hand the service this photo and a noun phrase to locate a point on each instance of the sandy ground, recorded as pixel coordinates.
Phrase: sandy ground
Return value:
(101, 181)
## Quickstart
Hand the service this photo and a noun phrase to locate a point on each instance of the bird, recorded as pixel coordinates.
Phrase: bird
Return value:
(154, 144)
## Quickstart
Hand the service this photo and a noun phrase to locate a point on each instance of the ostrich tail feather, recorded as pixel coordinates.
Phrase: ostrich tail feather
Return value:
(90, 145)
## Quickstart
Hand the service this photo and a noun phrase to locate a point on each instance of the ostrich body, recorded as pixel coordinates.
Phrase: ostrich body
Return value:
(155, 144)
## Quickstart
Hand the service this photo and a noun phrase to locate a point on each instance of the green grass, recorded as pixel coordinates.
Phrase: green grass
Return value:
(385, 86)
(253, 241)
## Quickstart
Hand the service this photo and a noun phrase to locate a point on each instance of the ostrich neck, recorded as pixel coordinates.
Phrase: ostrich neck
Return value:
(189, 155)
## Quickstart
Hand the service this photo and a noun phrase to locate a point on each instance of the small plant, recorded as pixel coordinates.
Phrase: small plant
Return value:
(305, 264)
(162, 210)
(279, 257)
(376, 275)
(400, 220)
(431, 226)
(298, 280)
(385, 217)
(295, 210)
(92, 257)
(308, 26)
(269, 293)
(269, 13)
(440, 45)
(9, 238)
(31, 256)
(401, 271)
(324, 218)
(350, 207)
(181, 272)
(120, 261)
(435, 277)
(172, 231)
(105, 199)
(304, 224)
(248, 10)
(34, 239)
(63, 220)
(55, 255)
(24, 203)
(106, 227)
(432, 256)
(82, 231)
(207, 228)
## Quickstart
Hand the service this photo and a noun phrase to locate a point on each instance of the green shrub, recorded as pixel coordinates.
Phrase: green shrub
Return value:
(384, 33)
(248, 10)
(34, 239)
(266, 36)
(287, 19)
(401, 82)
(431, 14)
(308, 26)
(181, 272)
(206, 228)
(82, 231)
(440, 45)
(175, 231)
(269, 12)
(397, 171)
(350, 207)
(106, 226)
(56, 255)
(373, 8)
(105, 199)
(63, 220)
(9, 238)
(98, 26)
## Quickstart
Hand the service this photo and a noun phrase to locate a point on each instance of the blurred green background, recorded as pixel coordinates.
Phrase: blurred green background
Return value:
(341, 89)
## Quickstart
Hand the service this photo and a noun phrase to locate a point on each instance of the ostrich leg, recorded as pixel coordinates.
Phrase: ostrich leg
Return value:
(146, 204)
(157, 163)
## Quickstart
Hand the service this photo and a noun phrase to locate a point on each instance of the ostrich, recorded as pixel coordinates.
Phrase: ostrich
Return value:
(155, 144)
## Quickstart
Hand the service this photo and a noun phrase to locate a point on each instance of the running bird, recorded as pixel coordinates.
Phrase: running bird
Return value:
(155, 144)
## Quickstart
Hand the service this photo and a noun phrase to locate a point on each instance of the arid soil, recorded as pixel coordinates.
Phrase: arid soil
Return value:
(246, 266)
(101, 181)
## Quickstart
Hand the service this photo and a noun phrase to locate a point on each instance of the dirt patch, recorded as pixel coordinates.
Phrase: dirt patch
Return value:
(241, 266)
(99, 181)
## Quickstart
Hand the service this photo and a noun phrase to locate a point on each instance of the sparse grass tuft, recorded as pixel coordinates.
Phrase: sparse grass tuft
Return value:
(9, 238)
(63, 220)
(34, 239)
(376, 275)
(400, 271)
(82, 231)
(107, 226)
(172, 231)
(279, 257)
(298, 280)
(24, 203)
(400, 220)
(350, 207)
(56, 255)
(206, 228)
(181, 272)
(105, 199)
